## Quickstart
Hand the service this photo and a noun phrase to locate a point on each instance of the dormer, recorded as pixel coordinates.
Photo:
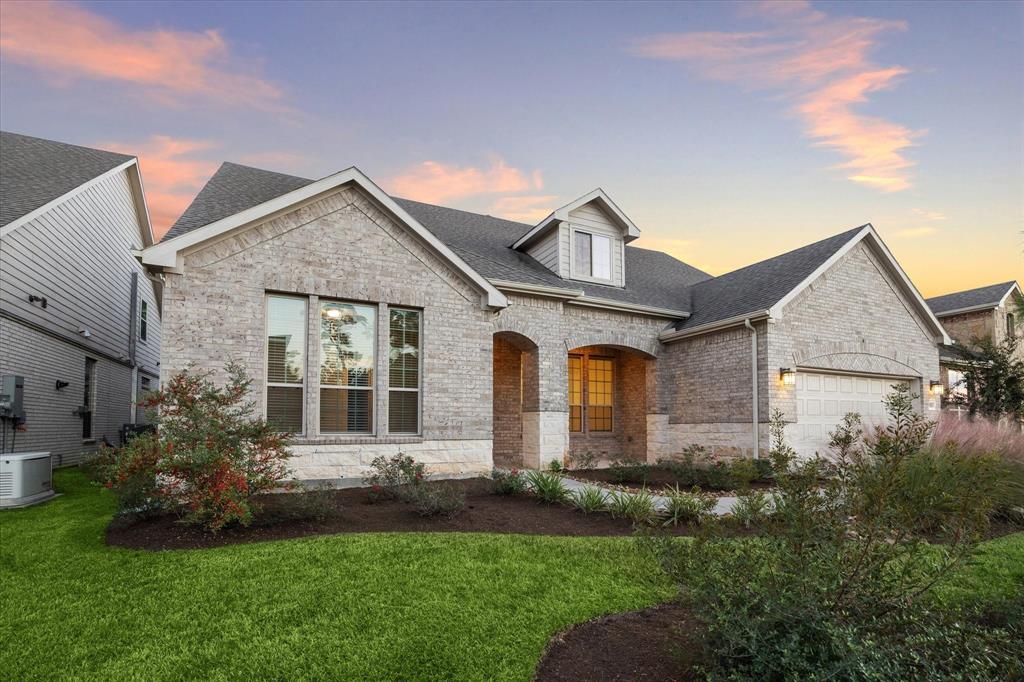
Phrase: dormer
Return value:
(583, 240)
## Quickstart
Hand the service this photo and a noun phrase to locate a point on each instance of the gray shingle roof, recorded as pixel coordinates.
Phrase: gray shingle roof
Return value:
(982, 296)
(34, 171)
(758, 287)
(653, 278)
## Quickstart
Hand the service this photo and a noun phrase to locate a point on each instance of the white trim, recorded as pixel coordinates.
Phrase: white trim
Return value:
(562, 215)
(1010, 291)
(132, 166)
(808, 369)
(535, 289)
(668, 336)
(868, 231)
(593, 302)
(419, 375)
(168, 253)
(607, 281)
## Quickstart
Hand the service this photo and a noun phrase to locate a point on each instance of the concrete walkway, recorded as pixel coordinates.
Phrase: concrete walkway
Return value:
(722, 507)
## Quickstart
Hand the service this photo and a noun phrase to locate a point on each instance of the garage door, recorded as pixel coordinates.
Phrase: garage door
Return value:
(822, 400)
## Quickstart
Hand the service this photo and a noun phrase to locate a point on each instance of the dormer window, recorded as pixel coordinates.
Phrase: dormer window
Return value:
(593, 255)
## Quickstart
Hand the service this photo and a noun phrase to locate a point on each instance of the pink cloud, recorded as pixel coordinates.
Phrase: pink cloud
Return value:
(435, 182)
(526, 208)
(172, 174)
(68, 42)
(823, 64)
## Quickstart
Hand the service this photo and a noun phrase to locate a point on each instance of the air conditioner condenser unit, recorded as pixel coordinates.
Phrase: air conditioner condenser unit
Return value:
(26, 478)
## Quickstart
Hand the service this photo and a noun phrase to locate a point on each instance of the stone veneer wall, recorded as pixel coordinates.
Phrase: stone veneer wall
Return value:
(853, 318)
(341, 245)
(966, 327)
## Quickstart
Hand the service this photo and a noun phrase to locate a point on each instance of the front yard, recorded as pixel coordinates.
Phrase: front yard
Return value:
(356, 606)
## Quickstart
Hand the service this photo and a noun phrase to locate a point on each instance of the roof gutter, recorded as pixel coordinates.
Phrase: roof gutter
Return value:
(535, 289)
(629, 307)
(968, 309)
(676, 335)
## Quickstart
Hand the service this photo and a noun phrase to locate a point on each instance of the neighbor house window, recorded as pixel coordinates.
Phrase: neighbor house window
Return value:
(957, 385)
(348, 338)
(599, 394)
(143, 320)
(1010, 331)
(88, 398)
(404, 371)
(591, 393)
(575, 393)
(286, 362)
(593, 255)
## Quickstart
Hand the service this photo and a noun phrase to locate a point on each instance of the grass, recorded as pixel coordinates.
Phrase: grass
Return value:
(373, 606)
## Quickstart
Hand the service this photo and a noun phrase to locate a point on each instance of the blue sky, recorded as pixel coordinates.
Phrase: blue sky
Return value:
(728, 132)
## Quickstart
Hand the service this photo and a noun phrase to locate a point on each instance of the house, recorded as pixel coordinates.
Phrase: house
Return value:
(375, 325)
(990, 312)
(79, 317)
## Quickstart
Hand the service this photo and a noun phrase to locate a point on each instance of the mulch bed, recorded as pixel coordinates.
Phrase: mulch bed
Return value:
(655, 480)
(352, 512)
(658, 643)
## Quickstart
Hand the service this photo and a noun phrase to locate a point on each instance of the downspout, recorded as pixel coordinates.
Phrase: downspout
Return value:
(133, 321)
(753, 373)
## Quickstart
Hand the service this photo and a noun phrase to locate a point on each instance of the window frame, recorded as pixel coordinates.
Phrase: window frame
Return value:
(89, 398)
(578, 357)
(143, 320)
(267, 383)
(574, 265)
(419, 373)
(584, 406)
(372, 388)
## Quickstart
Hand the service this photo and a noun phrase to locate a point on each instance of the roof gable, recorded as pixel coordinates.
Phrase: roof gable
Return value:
(991, 296)
(559, 215)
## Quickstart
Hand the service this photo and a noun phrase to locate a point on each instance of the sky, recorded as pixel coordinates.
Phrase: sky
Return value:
(728, 132)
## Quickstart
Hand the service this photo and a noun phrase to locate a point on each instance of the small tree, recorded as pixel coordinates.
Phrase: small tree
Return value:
(994, 381)
(209, 456)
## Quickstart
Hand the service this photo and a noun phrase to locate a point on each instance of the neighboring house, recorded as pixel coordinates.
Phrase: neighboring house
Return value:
(375, 325)
(79, 316)
(990, 312)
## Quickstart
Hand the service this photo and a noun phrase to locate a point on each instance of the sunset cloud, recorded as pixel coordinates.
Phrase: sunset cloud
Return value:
(915, 232)
(68, 43)
(820, 62)
(525, 209)
(436, 182)
(928, 215)
(173, 172)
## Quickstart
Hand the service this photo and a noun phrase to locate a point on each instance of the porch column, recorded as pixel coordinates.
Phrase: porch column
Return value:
(545, 406)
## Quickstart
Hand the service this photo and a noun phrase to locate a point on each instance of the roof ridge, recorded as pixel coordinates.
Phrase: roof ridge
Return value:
(1007, 284)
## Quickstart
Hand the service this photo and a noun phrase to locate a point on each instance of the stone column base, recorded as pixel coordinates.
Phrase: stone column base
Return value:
(545, 438)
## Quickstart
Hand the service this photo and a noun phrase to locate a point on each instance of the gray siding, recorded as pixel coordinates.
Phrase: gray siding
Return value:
(78, 255)
(546, 251)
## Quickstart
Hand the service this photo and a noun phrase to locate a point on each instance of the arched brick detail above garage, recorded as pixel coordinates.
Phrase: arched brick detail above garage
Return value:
(861, 358)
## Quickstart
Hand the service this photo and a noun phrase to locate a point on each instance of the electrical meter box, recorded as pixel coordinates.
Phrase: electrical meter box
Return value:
(12, 398)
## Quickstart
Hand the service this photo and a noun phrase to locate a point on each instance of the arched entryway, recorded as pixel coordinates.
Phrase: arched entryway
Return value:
(611, 391)
(516, 391)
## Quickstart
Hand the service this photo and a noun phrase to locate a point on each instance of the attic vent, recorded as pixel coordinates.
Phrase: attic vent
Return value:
(6, 484)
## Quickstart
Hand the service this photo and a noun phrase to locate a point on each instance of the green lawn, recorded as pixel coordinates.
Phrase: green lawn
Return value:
(380, 606)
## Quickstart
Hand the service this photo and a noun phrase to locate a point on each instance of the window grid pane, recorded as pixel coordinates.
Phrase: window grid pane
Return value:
(286, 351)
(348, 334)
(599, 394)
(575, 393)
(582, 243)
(404, 371)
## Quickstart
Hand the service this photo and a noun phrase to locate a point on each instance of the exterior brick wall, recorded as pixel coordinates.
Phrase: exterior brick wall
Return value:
(508, 412)
(50, 424)
(341, 246)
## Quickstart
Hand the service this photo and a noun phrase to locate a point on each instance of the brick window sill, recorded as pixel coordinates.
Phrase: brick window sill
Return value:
(356, 440)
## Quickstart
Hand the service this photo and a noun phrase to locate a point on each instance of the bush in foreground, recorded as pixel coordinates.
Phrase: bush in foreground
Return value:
(838, 586)
(209, 459)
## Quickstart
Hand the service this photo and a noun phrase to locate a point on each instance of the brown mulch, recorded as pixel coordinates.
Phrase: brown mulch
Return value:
(352, 512)
(656, 644)
(655, 480)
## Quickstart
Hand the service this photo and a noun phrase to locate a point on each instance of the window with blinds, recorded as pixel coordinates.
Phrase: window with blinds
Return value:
(348, 340)
(286, 362)
(599, 394)
(575, 393)
(404, 330)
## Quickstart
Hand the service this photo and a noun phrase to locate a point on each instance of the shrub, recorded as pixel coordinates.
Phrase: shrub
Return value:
(752, 508)
(688, 507)
(589, 499)
(442, 499)
(316, 503)
(742, 472)
(583, 460)
(508, 482)
(637, 507)
(629, 471)
(130, 472)
(394, 477)
(838, 586)
(212, 455)
(548, 487)
(554, 466)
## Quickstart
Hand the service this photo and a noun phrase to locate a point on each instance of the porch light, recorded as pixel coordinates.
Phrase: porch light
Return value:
(937, 388)
(788, 375)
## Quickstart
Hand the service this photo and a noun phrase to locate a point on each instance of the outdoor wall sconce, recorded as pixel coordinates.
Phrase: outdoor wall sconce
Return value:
(936, 388)
(788, 375)
(61, 384)
(41, 300)
(84, 331)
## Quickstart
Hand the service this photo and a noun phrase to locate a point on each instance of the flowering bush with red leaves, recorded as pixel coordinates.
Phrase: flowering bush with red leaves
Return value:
(210, 456)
